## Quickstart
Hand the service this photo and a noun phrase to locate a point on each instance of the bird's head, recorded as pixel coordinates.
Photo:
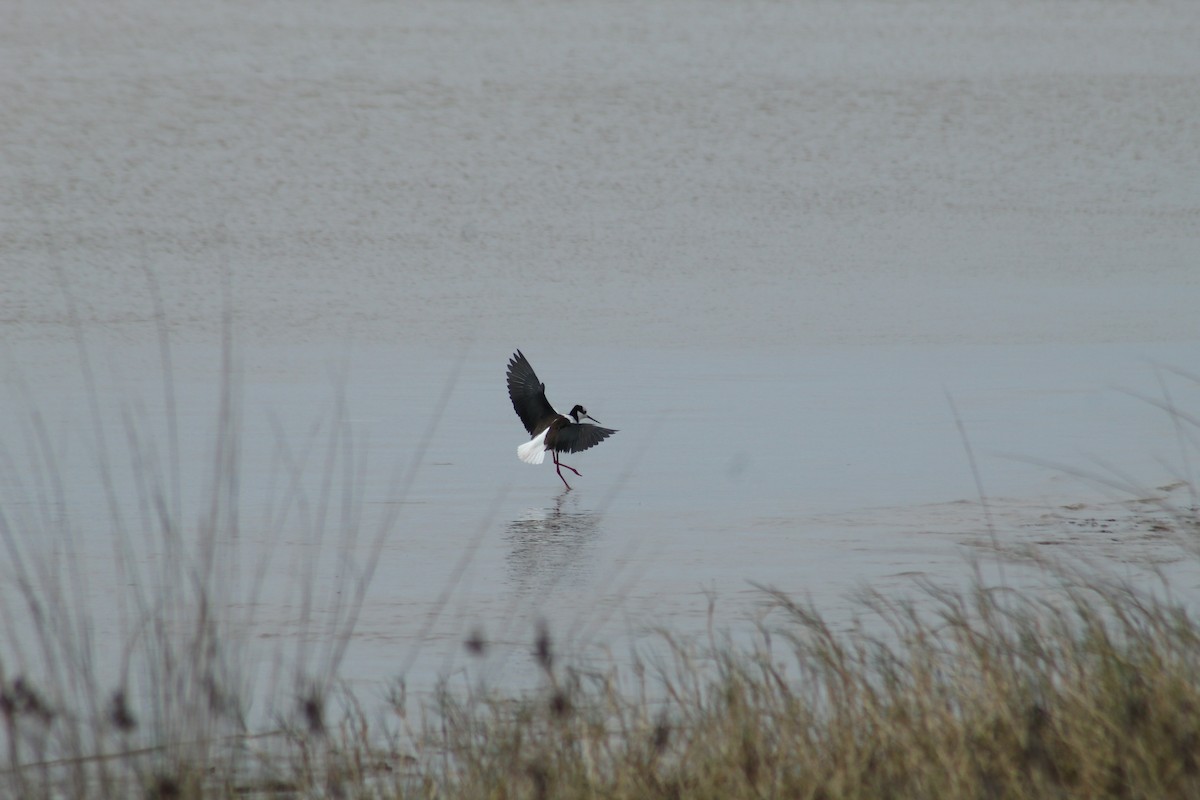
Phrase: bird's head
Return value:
(579, 413)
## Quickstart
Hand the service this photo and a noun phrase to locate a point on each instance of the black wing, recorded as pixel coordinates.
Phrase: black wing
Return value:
(573, 437)
(527, 393)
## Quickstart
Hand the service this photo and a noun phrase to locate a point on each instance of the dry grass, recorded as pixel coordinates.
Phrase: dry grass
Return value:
(978, 694)
(1089, 688)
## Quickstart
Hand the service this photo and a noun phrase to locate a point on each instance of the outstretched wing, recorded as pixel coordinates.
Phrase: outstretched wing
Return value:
(580, 436)
(527, 393)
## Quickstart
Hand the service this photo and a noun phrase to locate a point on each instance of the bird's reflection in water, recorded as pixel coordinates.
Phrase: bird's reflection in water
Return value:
(547, 545)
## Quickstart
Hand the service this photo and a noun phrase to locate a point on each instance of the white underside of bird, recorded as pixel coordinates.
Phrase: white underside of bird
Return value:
(534, 451)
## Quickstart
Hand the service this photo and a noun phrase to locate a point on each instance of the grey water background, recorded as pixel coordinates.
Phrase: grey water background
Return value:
(786, 249)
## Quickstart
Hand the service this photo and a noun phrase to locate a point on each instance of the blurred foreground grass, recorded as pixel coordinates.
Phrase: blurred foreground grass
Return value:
(1090, 689)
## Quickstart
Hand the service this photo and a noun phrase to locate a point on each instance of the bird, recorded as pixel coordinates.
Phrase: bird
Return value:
(548, 429)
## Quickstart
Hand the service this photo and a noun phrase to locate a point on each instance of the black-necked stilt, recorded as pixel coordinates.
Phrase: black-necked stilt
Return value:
(550, 430)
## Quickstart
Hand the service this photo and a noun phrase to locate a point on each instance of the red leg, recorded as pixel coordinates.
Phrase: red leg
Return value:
(558, 465)
(568, 466)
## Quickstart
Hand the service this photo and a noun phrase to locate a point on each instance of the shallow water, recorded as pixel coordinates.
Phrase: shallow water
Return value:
(785, 249)
(818, 472)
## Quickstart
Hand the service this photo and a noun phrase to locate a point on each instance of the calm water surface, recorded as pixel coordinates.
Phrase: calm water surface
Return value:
(819, 472)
